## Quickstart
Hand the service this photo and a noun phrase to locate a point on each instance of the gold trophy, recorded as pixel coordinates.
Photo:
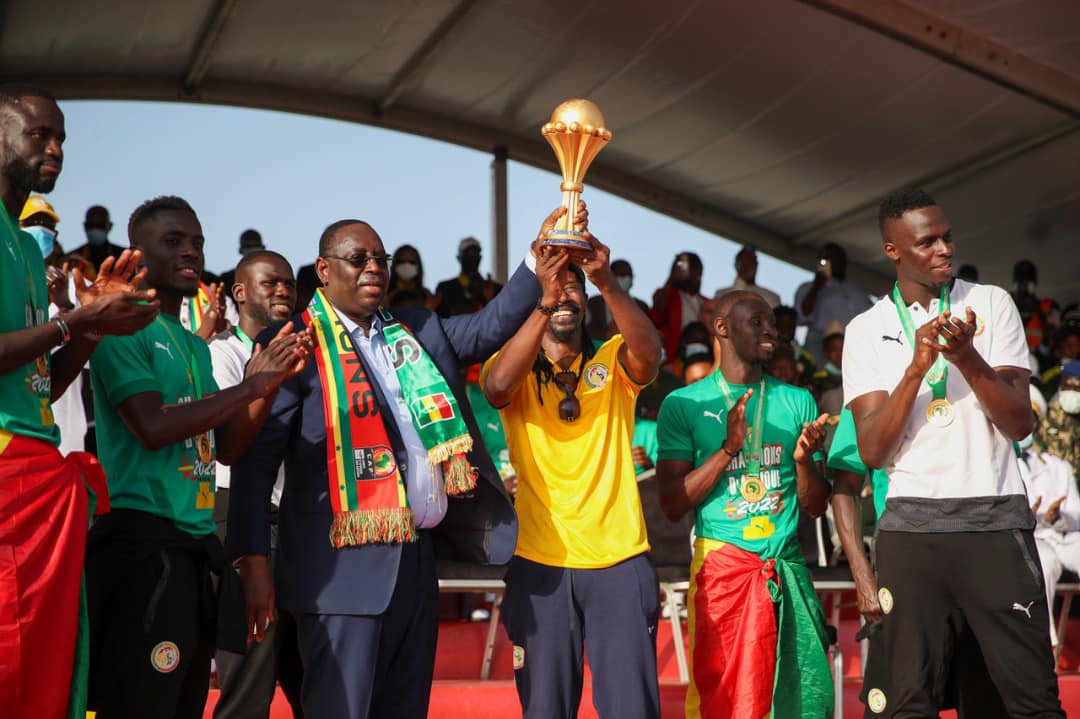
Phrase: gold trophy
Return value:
(577, 134)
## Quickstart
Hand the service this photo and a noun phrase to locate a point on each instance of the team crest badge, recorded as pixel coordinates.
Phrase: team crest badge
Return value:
(41, 364)
(875, 700)
(596, 376)
(165, 657)
(884, 597)
(980, 326)
(519, 657)
(202, 446)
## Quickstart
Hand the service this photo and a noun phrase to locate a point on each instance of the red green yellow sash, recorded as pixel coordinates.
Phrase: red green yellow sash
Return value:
(367, 492)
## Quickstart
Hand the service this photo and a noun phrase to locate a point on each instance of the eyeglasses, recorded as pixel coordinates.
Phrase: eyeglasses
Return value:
(569, 406)
(361, 261)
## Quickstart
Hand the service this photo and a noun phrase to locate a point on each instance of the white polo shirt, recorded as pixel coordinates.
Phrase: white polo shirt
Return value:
(970, 458)
(229, 356)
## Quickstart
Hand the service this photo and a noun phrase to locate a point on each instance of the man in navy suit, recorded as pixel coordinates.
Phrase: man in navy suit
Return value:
(367, 615)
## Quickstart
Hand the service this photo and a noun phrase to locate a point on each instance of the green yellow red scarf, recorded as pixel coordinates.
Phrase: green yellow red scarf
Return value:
(197, 306)
(367, 492)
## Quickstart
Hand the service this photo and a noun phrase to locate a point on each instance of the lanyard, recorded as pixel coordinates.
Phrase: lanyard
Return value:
(752, 443)
(192, 365)
(34, 306)
(939, 371)
(247, 341)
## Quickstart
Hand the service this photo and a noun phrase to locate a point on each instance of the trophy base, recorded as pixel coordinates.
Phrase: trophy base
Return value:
(570, 239)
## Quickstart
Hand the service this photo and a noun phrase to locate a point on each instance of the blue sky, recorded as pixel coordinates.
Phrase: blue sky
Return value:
(289, 176)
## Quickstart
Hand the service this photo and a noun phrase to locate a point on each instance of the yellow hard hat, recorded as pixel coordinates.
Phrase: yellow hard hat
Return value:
(35, 205)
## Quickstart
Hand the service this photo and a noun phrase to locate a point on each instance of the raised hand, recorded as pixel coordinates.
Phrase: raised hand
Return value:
(581, 224)
(957, 335)
(926, 346)
(111, 304)
(283, 358)
(811, 440)
(117, 275)
(595, 263)
(213, 319)
(552, 275)
(56, 279)
(736, 425)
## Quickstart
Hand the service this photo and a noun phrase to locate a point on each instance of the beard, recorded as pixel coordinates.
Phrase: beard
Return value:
(21, 175)
(562, 334)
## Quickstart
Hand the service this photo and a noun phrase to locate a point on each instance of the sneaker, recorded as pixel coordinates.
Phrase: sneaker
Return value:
(480, 614)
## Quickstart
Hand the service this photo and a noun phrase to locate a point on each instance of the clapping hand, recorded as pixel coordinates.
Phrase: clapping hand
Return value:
(213, 319)
(811, 440)
(736, 425)
(284, 357)
(111, 304)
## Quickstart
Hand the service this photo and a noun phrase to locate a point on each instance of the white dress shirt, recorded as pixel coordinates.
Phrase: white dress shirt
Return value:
(424, 484)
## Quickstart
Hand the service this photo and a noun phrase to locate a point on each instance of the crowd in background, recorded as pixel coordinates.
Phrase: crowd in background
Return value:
(398, 415)
(680, 310)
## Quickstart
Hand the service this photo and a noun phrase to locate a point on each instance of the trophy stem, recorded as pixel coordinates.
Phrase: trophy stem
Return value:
(570, 200)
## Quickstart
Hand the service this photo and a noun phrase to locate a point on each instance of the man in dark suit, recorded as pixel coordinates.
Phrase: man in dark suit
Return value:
(367, 614)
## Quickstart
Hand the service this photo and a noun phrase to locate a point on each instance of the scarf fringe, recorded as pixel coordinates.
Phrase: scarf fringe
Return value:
(458, 474)
(372, 526)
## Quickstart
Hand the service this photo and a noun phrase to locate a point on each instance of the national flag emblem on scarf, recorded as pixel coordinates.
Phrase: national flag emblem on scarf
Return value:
(431, 409)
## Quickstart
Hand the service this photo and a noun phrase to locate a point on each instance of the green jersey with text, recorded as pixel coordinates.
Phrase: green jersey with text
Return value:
(692, 426)
(24, 302)
(844, 454)
(176, 482)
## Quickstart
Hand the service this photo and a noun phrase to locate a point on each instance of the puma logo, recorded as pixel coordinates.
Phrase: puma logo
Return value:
(1021, 608)
(493, 427)
(166, 347)
(896, 339)
(715, 415)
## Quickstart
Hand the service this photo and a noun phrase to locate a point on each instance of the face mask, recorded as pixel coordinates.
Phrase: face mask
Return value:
(407, 270)
(832, 369)
(45, 238)
(695, 348)
(625, 281)
(1025, 443)
(1069, 399)
(97, 236)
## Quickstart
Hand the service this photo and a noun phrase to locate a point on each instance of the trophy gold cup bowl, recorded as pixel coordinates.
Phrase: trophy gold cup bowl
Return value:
(576, 133)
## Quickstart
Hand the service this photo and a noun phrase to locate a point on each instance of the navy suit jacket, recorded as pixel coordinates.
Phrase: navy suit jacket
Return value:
(311, 575)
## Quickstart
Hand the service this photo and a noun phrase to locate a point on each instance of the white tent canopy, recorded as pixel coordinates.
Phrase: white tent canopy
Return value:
(774, 122)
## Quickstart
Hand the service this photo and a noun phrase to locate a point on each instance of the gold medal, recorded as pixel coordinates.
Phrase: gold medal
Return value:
(940, 413)
(752, 489)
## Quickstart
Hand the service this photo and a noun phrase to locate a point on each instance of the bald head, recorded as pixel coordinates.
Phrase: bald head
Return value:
(745, 327)
(729, 300)
(244, 267)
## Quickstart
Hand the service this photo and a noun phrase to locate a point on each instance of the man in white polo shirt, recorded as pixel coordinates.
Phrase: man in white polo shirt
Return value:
(936, 376)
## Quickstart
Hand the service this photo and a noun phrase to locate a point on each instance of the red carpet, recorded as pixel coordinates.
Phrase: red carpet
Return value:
(458, 692)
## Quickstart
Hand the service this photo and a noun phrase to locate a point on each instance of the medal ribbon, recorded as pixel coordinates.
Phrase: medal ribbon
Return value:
(248, 343)
(752, 444)
(939, 371)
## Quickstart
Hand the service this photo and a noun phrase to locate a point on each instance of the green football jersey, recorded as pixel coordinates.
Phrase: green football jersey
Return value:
(692, 426)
